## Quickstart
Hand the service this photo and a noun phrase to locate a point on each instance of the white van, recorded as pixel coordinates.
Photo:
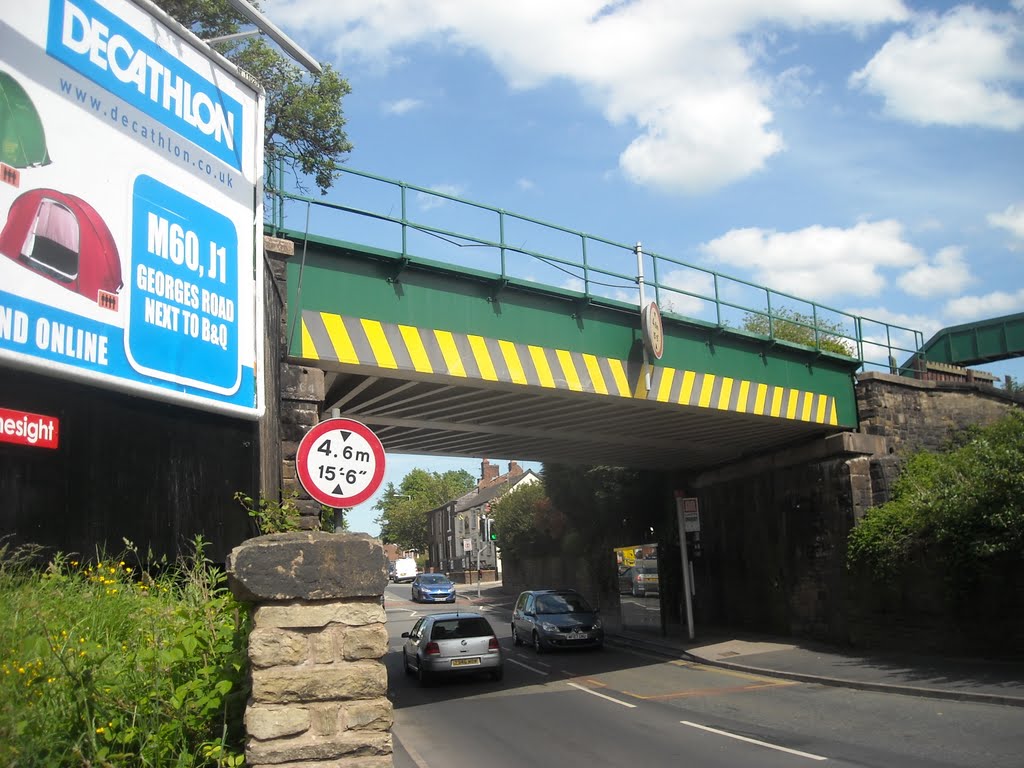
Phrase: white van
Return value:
(405, 569)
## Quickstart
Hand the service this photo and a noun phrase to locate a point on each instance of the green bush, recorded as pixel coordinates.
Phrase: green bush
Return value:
(968, 502)
(103, 664)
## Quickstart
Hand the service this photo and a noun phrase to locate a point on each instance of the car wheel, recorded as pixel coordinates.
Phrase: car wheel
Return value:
(498, 674)
(516, 640)
(538, 646)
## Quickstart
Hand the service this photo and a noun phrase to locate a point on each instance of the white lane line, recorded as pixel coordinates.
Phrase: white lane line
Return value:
(796, 752)
(538, 663)
(527, 666)
(601, 695)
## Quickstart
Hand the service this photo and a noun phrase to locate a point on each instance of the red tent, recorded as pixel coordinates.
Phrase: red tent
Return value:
(63, 238)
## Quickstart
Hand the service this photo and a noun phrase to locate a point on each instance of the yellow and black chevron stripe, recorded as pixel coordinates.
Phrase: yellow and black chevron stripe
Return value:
(359, 341)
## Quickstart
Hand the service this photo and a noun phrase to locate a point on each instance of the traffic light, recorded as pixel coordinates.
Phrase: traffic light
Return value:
(489, 528)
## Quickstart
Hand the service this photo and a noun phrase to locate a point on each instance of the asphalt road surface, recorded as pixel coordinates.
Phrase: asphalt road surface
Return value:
(620, 707)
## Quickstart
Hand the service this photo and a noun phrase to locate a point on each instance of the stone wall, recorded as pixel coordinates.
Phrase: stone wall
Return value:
(773, 534)
(318, 683)
(774, 527)
(275, 253)
(914, 415)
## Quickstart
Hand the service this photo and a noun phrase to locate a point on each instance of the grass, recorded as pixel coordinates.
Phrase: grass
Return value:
(103, 663)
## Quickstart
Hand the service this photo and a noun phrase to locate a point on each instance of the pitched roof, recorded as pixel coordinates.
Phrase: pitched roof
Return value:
(478, 496)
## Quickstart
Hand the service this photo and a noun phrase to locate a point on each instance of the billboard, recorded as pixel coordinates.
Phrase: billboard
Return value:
(130, 205)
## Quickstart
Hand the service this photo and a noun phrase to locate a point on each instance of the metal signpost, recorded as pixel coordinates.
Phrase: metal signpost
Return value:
(688, 515)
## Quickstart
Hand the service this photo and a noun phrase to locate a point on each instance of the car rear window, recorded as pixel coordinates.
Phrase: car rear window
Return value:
(471, 626)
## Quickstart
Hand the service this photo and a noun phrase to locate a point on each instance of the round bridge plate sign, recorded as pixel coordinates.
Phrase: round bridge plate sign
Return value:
(340, 462)
(654, 334)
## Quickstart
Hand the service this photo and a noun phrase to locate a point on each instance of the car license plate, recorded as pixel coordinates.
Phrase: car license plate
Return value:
(465, 662)
(576, 636)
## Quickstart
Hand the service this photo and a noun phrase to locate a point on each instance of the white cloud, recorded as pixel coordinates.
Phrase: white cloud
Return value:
(1012, 219)
(689, 280)
(887, 332)
(683, 75)
(794, 86)
(966, 308)
(525, 184)
(818, 262)
(952, 70)
(947, 273)
(402, 106)
(427, 202)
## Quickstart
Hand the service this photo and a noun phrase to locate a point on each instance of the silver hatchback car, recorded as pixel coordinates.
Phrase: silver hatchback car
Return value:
(444, 644)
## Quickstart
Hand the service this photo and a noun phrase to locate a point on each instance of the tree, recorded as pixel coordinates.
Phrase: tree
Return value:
(304, 123)
(966, 503)
(403, 510)
(790, 325)
(527, 523)
(605, 507)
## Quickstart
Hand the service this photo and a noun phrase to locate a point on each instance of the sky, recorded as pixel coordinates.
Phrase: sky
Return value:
(866, 155)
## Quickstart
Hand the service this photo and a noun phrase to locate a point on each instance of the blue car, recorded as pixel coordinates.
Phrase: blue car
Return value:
(432, 588)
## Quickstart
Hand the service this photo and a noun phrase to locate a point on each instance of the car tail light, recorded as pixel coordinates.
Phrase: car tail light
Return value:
(432, 649)
(492, 645)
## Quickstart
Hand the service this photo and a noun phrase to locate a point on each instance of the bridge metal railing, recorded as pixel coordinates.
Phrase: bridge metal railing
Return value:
(440, 225)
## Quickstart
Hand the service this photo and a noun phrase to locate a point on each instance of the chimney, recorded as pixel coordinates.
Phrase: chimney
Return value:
(488, 473)
(514, 470)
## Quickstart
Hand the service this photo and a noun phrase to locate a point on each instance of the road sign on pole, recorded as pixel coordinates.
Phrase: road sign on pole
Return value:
(340, 462)
(682, 507)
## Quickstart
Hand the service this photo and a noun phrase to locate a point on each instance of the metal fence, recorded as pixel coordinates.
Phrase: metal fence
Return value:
(438, 226)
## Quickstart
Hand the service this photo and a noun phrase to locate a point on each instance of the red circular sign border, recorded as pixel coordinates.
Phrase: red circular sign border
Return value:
(302, 456)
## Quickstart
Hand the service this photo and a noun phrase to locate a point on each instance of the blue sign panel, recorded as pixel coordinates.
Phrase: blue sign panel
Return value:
(184, 273)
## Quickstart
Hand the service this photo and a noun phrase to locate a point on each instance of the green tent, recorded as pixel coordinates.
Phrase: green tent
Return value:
(22, 140)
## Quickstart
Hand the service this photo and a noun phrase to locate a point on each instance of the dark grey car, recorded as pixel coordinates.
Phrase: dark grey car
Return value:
(556, 618)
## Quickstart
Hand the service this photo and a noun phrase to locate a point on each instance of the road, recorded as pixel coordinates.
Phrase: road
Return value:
(620, 707)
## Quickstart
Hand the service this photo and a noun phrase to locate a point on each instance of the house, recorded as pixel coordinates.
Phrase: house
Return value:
(458, 529)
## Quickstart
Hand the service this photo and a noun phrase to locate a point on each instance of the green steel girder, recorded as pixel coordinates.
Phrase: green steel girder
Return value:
(345, 279)
(984, 341)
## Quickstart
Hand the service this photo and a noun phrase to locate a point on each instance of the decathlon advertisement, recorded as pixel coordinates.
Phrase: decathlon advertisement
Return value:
(130, 205)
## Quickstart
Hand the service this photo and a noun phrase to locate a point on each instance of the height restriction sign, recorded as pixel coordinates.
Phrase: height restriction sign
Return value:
(340, 462)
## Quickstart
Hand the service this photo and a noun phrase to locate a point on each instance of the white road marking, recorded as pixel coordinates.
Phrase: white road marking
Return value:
(796, 752)
(537, 662)
(527, 666)
(416, 757)
(601, 695)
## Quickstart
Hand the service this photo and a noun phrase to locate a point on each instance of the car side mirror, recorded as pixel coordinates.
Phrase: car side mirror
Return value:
(529, 613)
(405, 634)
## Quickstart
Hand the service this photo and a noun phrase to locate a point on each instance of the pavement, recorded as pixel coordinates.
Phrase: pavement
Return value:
(987, 680)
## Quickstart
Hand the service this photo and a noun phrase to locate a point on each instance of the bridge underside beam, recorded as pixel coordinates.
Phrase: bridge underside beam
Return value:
(440, 419)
